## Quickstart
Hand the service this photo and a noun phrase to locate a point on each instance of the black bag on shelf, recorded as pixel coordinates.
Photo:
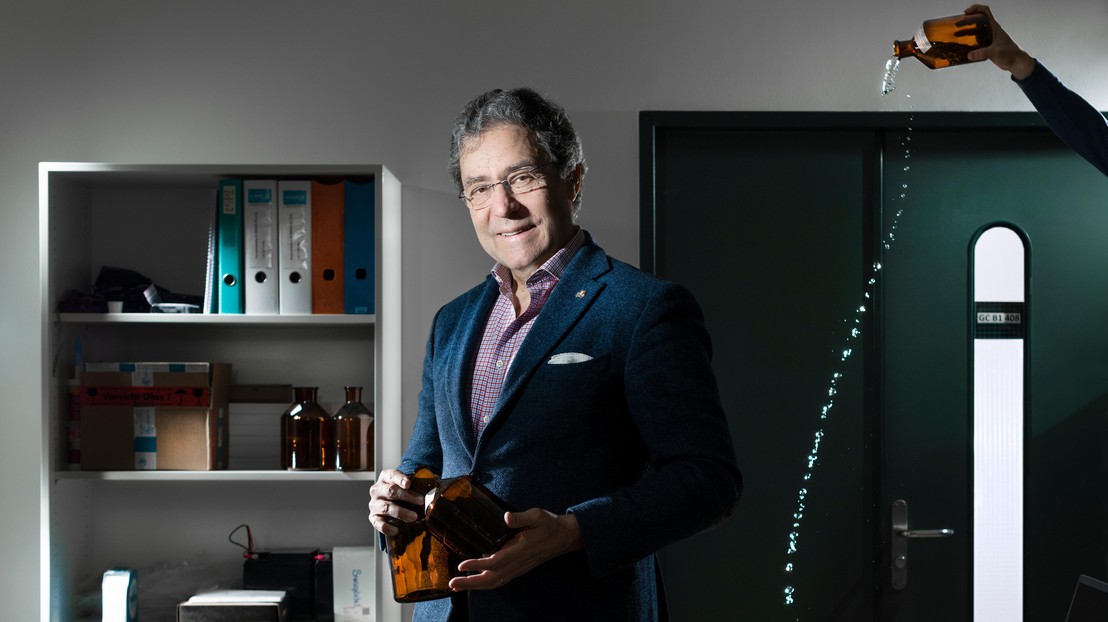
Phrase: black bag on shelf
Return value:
(136, 291)
(138, 294)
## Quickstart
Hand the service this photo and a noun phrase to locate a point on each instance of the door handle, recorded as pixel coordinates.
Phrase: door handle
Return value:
(900, 537)
(925, 533)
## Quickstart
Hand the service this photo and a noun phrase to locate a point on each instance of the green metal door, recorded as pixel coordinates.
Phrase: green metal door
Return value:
(832, 256)
(941, 187)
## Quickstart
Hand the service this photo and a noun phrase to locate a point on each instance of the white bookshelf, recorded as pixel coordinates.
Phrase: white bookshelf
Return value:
(154, 219)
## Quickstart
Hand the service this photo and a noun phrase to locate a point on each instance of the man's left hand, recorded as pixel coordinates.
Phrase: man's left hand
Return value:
(541, 536)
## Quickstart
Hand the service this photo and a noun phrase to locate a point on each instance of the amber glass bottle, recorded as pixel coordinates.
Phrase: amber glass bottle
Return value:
(421, 565)
(945, 41)
(467, 517)
(352, 432)
(305, 433)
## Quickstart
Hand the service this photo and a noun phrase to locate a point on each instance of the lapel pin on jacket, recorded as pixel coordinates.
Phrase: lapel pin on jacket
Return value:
(581, 294)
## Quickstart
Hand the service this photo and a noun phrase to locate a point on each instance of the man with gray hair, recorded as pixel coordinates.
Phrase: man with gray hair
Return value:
(575, 387)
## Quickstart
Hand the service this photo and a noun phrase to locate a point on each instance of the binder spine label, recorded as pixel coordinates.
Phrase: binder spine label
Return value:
(297, 238)
(230, 199)
(261, 222)
(260, 245)
(259, 195)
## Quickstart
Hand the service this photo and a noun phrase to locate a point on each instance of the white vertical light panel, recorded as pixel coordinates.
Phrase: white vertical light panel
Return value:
(999, 284)
(389, 404)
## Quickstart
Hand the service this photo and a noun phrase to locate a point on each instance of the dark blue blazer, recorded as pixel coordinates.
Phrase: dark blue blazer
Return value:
(632, 441)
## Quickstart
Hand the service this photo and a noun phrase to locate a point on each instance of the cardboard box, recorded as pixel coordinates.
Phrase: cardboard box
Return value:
(164, 420)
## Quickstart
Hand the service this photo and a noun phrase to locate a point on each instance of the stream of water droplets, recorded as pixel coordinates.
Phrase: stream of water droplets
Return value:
(847, 347)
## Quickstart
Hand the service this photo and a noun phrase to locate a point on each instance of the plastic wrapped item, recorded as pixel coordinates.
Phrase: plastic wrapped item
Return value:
(160, 588)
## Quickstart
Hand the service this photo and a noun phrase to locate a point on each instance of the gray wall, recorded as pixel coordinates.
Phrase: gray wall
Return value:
(378, 82)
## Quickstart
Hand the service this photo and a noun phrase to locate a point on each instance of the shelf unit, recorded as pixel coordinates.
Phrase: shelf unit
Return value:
(192, 319)
(154, 219)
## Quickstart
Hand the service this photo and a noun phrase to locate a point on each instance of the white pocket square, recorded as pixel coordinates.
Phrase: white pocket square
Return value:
(565, 358)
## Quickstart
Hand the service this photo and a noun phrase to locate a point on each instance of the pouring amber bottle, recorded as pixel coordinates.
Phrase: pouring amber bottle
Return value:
(945, 41)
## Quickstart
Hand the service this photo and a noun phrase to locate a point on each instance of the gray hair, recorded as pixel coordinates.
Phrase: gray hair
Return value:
(544, 119)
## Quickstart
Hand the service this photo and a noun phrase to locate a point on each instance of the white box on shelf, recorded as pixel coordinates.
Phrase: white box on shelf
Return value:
(354, 585)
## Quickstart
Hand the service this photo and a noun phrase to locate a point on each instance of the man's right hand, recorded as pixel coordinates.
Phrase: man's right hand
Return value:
(390, 501)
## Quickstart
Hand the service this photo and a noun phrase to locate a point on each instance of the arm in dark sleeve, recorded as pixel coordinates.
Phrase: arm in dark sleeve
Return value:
(1073, 119)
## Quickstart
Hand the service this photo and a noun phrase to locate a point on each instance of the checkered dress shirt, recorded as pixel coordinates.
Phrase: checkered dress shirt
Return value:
(504, 332)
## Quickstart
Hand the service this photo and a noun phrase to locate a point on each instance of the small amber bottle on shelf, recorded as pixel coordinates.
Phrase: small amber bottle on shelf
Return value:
(352, 433)
(421, 564)
(945, 41)
(305, 433)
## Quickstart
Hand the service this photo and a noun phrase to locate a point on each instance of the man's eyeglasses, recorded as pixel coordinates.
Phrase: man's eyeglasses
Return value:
(479, 196)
